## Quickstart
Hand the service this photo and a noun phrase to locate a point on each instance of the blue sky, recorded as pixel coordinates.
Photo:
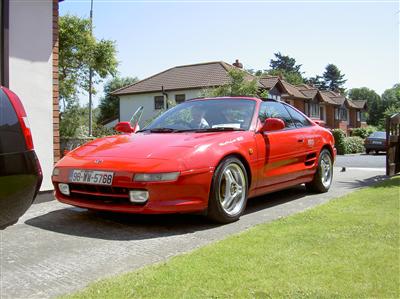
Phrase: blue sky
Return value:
(360, 37)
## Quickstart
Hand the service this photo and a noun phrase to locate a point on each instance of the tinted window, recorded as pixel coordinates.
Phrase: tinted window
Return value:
(275, 110)
(11, 137)
(299, 119)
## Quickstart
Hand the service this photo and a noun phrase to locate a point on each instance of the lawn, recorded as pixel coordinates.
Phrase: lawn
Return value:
(348, 248)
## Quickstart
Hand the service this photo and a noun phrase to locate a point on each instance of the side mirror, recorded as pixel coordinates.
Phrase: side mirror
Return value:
(124, 127)
(272, 124)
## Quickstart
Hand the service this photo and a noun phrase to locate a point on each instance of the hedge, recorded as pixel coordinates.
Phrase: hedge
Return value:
(347, 145)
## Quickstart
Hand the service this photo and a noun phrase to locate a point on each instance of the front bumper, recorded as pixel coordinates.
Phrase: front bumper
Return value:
(189, 193)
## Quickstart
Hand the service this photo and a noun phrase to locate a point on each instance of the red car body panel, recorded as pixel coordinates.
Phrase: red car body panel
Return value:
(273, 160)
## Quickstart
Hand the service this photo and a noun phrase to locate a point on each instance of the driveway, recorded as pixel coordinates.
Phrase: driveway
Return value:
(362, 161)
(56, 249)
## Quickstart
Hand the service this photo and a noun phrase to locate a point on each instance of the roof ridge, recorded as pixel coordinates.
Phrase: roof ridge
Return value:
(140, 81)
(199, 63)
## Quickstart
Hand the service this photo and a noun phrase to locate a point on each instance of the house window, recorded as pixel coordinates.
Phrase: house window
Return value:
(180, 98)
(358, 115)
(158, 102)
(341, 114)
(313, 109)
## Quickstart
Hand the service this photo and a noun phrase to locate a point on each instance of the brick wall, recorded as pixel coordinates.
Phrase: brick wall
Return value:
(56, 109)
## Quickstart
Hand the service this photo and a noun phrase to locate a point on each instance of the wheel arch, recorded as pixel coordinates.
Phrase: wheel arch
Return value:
(244, 162)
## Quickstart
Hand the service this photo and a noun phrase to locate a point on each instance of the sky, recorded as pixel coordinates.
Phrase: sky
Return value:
(360, 37)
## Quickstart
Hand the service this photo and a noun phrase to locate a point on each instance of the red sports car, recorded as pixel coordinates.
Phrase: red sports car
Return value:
(204, 155)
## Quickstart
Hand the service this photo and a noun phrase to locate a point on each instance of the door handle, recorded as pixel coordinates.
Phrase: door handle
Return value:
(300, 140)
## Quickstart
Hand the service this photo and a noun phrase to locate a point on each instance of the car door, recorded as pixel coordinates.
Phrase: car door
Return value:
(312, 141)
(281, 152)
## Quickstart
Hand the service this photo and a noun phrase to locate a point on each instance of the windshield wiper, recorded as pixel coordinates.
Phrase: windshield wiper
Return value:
(162, 130)
(220, 129)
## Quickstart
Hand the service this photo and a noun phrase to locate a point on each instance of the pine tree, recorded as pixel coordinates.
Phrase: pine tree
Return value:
(333, 79)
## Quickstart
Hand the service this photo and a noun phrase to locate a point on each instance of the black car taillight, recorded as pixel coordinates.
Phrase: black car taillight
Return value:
(23, 119)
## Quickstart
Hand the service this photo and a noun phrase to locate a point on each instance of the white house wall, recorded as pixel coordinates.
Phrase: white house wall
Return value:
(30, 73)
(130, 103)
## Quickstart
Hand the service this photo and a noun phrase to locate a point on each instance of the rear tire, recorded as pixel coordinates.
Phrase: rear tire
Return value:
(367, 151)
(322, 180)
(229, 189)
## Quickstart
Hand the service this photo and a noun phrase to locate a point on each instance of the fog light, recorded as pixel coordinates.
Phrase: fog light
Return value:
(138, 196)
(64, 188)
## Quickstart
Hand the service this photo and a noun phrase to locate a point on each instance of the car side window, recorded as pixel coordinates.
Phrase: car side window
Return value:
(11, 137)
(299, 120)
(275, 110)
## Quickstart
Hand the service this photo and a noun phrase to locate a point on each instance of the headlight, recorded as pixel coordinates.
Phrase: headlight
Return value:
(56, 171)
(156, 177)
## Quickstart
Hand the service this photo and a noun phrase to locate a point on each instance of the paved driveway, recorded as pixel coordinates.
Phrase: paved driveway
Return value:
(56, 249)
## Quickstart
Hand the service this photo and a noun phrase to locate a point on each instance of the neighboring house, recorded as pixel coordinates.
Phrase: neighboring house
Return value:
(189, 81)
(175, 84)
(29, 67)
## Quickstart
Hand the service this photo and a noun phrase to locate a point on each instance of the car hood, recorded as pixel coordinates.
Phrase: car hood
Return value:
(150, 145)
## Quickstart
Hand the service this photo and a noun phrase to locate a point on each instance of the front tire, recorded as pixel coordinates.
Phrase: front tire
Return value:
(322, 180)
(229, 189)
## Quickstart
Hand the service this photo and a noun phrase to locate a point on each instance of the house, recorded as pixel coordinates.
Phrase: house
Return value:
(29, 67)
(189, 81)
(175, 84)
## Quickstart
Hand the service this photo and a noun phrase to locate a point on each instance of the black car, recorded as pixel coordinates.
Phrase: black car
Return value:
(375, 142)
(20, 171)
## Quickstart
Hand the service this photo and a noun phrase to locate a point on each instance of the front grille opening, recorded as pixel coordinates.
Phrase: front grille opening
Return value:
(103, 194)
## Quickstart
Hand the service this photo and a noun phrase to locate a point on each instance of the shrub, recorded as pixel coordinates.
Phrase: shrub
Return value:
(360, 132)
(363, 132)
(353, 145)
(339, 136)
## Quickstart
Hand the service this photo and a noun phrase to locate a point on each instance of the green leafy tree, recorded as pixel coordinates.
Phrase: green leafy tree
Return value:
(374, 103)
(239, 85)
(109, 104)
(333, 79)
(285, 66)
(79, 52)
(291, 77)
(390, 102)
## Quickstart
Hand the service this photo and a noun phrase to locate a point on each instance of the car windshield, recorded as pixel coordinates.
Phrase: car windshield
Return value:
(378, 135)
(205, 116)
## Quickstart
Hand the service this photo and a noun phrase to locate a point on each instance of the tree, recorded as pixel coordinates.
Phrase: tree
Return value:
(79, 52)
(316, 81)
(285, 66)
(285, 63)
(109, 107)
(291, 77)
(374, 103)
(333, 79)
(390, 102)
(239, 85)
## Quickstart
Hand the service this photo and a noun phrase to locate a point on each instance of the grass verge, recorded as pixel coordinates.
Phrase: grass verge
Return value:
(348, 248)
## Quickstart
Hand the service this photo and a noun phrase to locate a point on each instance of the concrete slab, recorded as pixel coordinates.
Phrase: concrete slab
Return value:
(56, 249)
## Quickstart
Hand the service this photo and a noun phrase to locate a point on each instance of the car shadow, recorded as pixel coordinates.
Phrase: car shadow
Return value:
(122, 227)
(126, 227)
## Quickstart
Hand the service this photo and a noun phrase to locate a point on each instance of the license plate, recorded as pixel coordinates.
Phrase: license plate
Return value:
(376, 142)
(91, 177)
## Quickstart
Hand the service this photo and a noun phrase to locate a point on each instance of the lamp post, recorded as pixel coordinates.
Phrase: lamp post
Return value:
(90, 73)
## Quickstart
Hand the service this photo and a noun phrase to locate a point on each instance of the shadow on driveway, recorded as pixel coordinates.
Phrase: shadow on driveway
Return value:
(124, 227)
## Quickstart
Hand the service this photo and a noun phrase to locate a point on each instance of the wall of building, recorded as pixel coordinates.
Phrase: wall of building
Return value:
(130, 103)
(30, 72)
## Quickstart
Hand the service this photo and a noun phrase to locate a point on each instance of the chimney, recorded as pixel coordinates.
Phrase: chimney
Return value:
(238, 64)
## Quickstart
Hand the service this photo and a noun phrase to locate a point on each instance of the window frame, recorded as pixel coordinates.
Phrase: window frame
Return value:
(180, 95)
(293, 127)
(289, 108)
(158, 98)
